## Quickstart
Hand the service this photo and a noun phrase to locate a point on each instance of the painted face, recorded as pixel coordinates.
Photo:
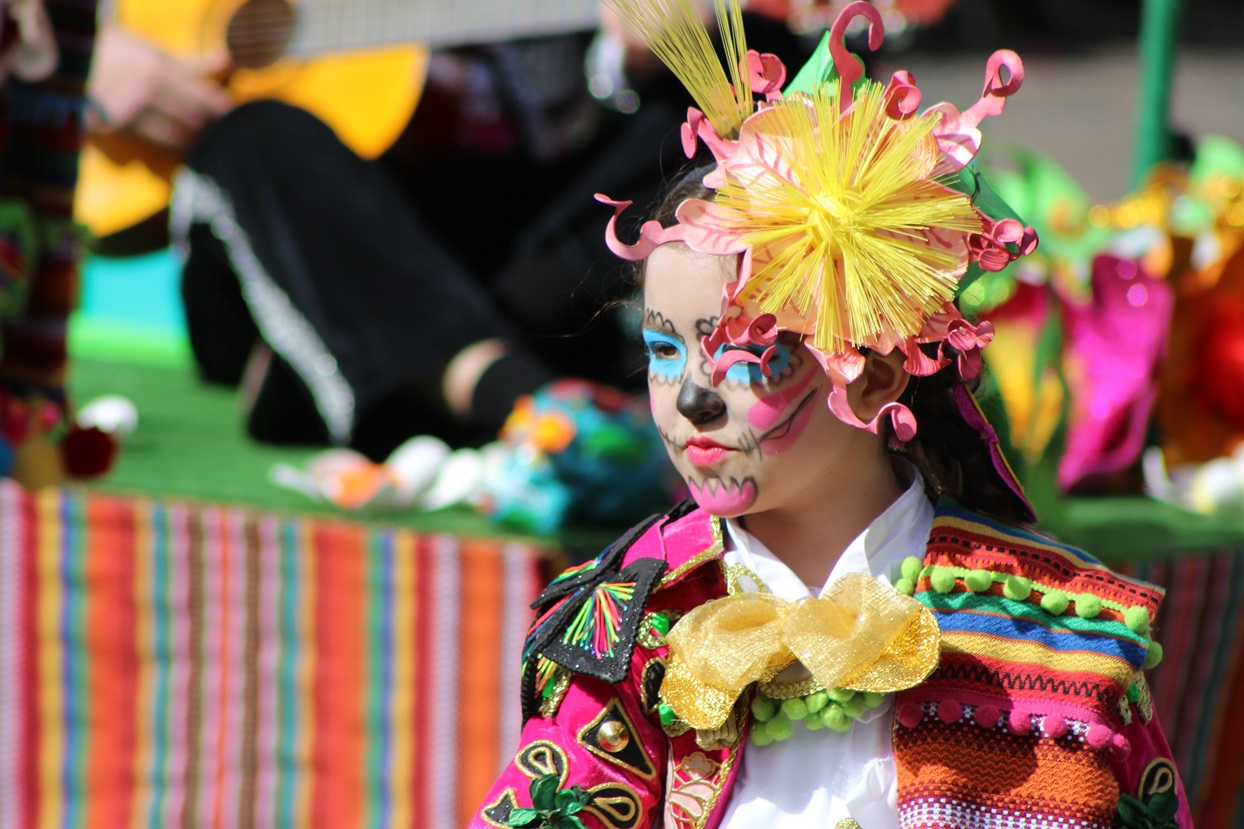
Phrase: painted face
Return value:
(752, 443)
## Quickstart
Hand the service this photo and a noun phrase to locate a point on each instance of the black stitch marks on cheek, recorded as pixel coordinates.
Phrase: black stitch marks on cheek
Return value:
(749, 442)
(782, 429)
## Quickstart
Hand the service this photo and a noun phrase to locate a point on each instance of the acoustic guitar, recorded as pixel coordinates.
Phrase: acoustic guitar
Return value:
(353, 63)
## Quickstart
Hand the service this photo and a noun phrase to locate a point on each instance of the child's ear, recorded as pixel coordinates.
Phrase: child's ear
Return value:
(882, 381)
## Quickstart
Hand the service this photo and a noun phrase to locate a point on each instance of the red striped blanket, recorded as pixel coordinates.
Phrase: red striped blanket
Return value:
(165, 665)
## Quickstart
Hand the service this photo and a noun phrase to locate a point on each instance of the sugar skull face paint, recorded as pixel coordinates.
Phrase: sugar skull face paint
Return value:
(667, 353)
(731, 442)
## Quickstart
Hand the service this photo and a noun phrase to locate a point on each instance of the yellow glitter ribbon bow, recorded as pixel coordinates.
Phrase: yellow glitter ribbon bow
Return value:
(863, 635)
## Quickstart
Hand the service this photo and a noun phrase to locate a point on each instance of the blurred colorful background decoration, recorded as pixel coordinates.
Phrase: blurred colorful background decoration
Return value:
(577, 453)
(1118, 360)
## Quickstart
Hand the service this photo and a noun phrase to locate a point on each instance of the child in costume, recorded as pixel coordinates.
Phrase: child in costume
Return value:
(847, 626)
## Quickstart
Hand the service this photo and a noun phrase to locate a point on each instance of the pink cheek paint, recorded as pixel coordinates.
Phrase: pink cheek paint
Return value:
(767, 411)
(775, 446)
(726, 498)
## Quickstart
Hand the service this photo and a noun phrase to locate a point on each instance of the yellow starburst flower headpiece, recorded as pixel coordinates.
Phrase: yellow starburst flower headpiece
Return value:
(857, 219)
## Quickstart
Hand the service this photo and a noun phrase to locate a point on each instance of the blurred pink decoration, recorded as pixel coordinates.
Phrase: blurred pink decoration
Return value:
(1113, 347)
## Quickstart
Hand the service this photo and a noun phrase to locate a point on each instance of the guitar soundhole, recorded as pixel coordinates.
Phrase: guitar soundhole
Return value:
(259, 33)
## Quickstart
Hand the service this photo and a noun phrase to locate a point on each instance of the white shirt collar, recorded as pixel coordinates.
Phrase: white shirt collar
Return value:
(901, 530)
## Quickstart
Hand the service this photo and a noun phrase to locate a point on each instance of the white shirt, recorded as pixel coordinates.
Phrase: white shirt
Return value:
(818, 778)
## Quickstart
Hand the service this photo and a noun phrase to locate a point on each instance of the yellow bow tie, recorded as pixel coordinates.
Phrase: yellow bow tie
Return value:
(862, 635)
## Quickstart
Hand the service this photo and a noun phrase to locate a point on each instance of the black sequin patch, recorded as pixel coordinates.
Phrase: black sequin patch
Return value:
(654, 675)
(625, 592)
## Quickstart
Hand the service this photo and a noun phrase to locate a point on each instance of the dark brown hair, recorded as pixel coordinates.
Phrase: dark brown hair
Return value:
(950, 453)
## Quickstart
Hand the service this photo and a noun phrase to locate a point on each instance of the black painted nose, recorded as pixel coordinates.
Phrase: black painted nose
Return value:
(698, 404)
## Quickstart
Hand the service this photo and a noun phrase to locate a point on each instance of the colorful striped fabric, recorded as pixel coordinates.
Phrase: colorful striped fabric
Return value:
(170, 665)
(1039, 644)
(1198, 689)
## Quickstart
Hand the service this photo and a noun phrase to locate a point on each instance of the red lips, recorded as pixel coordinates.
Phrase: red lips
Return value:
(703, 451)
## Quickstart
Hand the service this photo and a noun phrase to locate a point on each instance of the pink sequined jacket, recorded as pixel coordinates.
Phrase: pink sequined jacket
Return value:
(1037, 714)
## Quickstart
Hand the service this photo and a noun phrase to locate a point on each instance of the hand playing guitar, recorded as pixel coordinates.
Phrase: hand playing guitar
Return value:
(144, 92)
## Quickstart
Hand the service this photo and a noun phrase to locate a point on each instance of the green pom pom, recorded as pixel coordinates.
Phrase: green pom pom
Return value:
(794, 709)
(1137, 619)
(906, 587)
(779, 728)
(816, 701)
(942, 579)
(872, 699)
(760, 736)
(1055, 603)
(1087, 606)
(763, 708)
(834, 717)
(978, 581)
(1016, 588)
(813, 723)
(840, 694)
(1153, 657)
(854, 706)
(910, 569)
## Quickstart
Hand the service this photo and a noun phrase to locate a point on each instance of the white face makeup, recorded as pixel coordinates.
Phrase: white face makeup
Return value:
(752, 443)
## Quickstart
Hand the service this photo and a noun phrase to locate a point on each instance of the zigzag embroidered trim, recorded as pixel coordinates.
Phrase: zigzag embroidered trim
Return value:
(1022, 723)
(198, 199)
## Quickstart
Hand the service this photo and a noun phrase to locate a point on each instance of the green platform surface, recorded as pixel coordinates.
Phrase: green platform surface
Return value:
(190, 444)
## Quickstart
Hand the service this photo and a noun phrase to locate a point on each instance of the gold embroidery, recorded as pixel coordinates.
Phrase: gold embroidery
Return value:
(737, 578)
(648, 636)
(847, 823)
(497, 812)
(1144, 704)
(696, 560)
(1159, 776)
(677, 728)
(776, 688)
(694, 787)
(560, 681)
(542, 758)
(728, 733)
(1125, 710)
(617, 805)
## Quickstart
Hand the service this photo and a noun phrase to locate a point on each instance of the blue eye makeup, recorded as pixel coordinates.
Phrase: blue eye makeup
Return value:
(667, 355)
(750, 372)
